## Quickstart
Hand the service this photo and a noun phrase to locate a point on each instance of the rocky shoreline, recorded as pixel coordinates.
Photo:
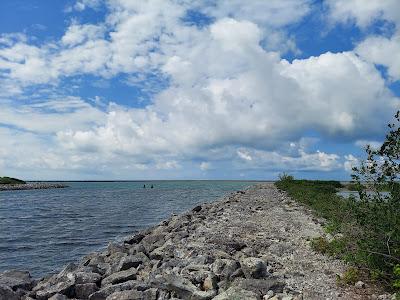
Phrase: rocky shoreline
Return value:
(31, 186)
(252, 244)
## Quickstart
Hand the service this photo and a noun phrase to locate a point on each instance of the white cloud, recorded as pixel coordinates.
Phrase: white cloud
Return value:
(362, 12)
(231, 98)
(244, 155)
(383, 51)
(363, 144)
(350, 162)
(204, 166)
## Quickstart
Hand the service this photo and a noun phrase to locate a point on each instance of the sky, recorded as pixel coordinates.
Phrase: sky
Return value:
(194, 89)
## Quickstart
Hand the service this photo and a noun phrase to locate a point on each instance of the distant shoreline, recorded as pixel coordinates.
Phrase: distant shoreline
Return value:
(31, 186)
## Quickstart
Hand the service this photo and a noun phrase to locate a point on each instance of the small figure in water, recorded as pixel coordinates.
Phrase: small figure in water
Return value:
(151, 186)
(144, 186)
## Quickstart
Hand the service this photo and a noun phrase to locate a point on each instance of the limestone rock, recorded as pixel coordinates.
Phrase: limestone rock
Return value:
(16, 279)
(7, 293)
(119, 277)
(235, 293)
(253, 267)
(126, 295)
(83, 291)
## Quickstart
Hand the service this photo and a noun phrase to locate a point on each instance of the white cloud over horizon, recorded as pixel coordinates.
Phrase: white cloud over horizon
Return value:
(231, 99)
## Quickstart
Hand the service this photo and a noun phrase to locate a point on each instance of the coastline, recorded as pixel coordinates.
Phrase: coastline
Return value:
(32, 186)
(248, 245)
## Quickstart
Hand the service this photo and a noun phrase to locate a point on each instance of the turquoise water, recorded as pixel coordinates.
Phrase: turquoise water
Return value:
(42, 230)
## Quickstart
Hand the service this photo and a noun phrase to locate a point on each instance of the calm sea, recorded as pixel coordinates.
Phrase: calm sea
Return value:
(42, 230)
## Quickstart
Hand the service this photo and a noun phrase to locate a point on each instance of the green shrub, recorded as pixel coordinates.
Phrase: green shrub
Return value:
(9, 180)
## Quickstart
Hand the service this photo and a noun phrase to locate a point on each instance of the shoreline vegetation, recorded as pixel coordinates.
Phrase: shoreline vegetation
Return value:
(9, 180)
(354, 230)
(253, 244)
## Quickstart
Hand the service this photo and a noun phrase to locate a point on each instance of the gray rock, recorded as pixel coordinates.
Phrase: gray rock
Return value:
(119, 277)
(16, 279)
(65, 287)
(153, 241)
(224, 268)
(235, 293)
(58, 297)
(132, 261)
(103, 293)
(83, 277)
(83, 291)
(6, 293)
(253, 267)
(182, 287)
(134, 239)
(260, 286)
(150, 294)
(126, 295)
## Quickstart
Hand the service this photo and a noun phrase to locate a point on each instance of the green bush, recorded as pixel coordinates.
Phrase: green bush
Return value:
(9, 180)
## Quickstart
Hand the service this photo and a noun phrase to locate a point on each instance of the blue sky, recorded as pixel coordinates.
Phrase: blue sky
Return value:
(168, 89)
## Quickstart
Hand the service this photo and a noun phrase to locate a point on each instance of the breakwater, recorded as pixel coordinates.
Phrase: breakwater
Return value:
(31, 186)
(252, 244)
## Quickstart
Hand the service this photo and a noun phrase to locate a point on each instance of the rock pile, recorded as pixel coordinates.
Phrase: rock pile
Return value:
(250, 245)
(31, 186)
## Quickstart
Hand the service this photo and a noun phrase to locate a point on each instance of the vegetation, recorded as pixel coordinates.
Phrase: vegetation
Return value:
(9, 180)
(366, 231)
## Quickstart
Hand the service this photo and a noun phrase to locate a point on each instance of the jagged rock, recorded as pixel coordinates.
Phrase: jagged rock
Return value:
(234, 293)
(153, 241)
(210, 282)
(58, 297)
(260, 286)
(119, 277)
(132, 261)
(103, 293)
(253, 267)
(83, 291)
(6, 293)
(150, 294)
(16, 279)
(197, 208)
(64, 287)
(134, 239)
(182, 287)
(126, 295)
(83, 277)
(224, 268)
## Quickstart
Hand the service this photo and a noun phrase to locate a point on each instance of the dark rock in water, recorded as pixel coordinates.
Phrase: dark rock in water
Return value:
(6, 293)
(120, 277)
(16, 280)
(197, 208)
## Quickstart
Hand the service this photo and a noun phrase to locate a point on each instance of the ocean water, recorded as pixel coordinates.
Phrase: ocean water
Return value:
(42, 230)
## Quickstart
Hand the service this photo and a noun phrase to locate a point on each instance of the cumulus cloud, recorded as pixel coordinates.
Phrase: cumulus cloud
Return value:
(230, 98)
(350, 162)
(364, 13)
(383, 51)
